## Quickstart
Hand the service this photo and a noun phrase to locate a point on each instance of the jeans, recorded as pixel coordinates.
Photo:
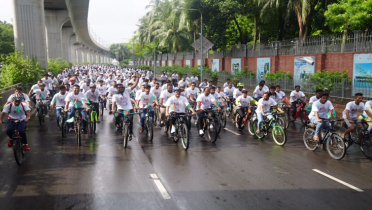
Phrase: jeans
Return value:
(260, 117)
(21, 130)
(319, 126)
(58, 113)
(82, 112)
(143, 115)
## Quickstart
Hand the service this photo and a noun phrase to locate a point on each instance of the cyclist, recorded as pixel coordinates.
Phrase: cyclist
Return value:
(47, 81)
(146, 100)
(164, 96)
(365, 113)
(265, 88)
(259, 91)
(165, 86)
(263, 109)
(319, 112)
(204, 84)
(58, 101)
(18, 92)
(42, 95)
(238, 91)
(110, 92)
(85, 86)
(75, 100)
(318, 92)
(277, 97)
(194, 79)
(18, 111)
(102, 92)
(349, 114)
(216, 96)
(177, 104)
(296, 97)
(204, 101)
(182, 82)
(226, 84)
(278, 91)
(156, 90)
(183, 90)
(68, 90)
(242, 103)
(164, 78)
(174, 78)
(92, 96)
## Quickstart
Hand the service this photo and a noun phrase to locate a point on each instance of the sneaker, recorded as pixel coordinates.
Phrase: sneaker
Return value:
(71, 129)
(47, 115)
(201, 132)
(26, 147)
(173, 129)
(10, 143)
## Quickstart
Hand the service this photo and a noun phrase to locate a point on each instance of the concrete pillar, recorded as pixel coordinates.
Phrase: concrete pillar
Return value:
(29, 29)
(85, 55)
(54, 19)
(80, 55)
(67, 32)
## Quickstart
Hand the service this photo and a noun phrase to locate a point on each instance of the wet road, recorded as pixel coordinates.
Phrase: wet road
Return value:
(237, 172)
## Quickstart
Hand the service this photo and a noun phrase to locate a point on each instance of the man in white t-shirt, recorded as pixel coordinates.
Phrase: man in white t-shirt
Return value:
(242, 103)
(92, 96)
(350, 113)
(77, 100)
(367, 116)
(177, 104)
(182, 82)
(194, 78)
(263, 109)
(319, 112)
(318, 92)
(164, 96)
(259, 91)
(174, 78)
(297, 96)
(58, 102)
(204, 101)
(277, 97)
(146, 102)
(156, 90)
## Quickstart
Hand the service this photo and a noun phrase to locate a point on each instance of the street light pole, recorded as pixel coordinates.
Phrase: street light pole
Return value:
(154, 59)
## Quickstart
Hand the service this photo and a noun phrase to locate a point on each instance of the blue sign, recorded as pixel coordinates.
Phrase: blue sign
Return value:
(263, 66)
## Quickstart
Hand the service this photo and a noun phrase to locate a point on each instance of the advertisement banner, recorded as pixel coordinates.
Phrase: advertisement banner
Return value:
(162, 63)
(303, 66)
(188, 63)
(170, 63)
(263, 66)
(362, 74)
(236, 65)
(216, 65)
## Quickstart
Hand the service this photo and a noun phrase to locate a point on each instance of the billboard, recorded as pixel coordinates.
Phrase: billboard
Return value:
(236, 65)
(362, 74)
(303, 66)
(216, 65)
(263, 66)
(188, 63)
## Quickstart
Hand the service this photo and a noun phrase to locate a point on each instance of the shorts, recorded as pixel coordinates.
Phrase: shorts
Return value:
(355, 120)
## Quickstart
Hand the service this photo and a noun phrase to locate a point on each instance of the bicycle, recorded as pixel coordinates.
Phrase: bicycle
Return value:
(277, 131)
(300, 112)
(148, 129)
(332, 138)
(93, 118)
(62, 121)
(365, 143)
(102, 103)
(252, 116)
(156, 114)
(40, 110)
(125, 121)
(210, 125)
(230, 106)
(78, 126)
(18, 147)
(182, 131)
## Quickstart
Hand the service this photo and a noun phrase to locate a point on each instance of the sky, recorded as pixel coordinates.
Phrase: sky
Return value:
(112, 20)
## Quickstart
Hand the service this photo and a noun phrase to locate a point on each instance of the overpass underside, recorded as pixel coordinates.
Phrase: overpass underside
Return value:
(47, 29)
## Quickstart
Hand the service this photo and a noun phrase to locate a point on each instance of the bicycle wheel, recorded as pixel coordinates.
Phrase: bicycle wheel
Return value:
(101, 109)
(279, 136)
(219, 125)
(78, 134)
(223, 119)
(94, 122)
(40, 116)
(250, 127)
(184, 136)
(281, 122)
(17, 150)
(309, 142)
(336, 146)
(304, 117)
(150, 131)
(156, 116)
(237, 118)
(212, 131)
(125, 133)
(61, 124)
(366, 146)
(255, 126)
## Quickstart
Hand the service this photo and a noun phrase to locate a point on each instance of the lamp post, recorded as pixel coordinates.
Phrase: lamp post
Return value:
(154, 60)
(201, 40)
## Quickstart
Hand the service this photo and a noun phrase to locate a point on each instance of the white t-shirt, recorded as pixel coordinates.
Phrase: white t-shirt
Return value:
(13, 111)
(48, 83)
(277, 97)
(281, 93)
(165, 95)
(229, 91)
(194, 79)
(163, 77)
(296, 95)
(84, 87)
(59, 100)
(156, 92)
(42, 95)
(243, 102)
(216, 95)
(25, 98)
(322, 109)
(177, 105)
(182, 83)
(146, 100)
(192, 92)
(313, 99)
(206, 101)
(92, 96)
(368, 106)
(174, 76)
(259, 93)
(101, 89)
(35, 87)
(353, 109)
(75, 99)
(111, 91)
(123, 101)
(265, 104)
(237, 93)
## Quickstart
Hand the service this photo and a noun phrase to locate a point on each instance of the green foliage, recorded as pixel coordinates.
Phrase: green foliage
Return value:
(17, 69)
(6, 38)
(326, 80)
(57, 65)
(143, 67)
(278, 76)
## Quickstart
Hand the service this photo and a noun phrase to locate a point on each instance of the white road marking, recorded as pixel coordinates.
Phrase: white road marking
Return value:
(338, 180)
(160, 186)
(238, 134)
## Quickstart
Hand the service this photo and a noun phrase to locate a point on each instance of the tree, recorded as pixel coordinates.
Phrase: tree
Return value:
(6, 38)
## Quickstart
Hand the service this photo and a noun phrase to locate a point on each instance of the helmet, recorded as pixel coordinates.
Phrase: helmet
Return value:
(240, 84)
(92, 85)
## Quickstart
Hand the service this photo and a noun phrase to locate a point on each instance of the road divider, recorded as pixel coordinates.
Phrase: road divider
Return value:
(338, 180)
